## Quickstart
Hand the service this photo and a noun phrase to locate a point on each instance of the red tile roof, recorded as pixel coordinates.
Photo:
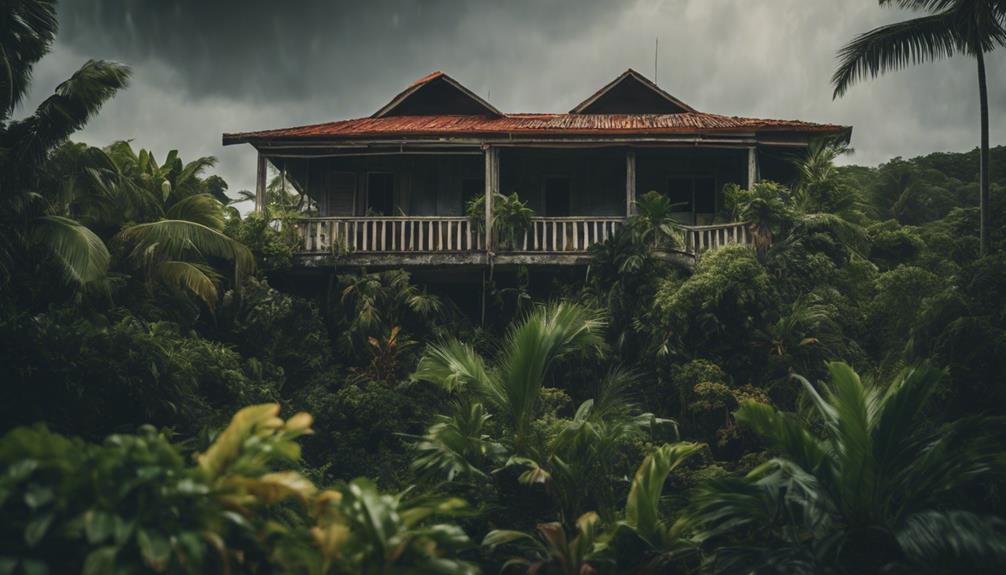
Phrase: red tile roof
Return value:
(536, 124)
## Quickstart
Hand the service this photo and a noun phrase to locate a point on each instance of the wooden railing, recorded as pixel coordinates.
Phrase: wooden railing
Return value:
(403, 234)
(699, 239)
(563, 235)
(444, 234)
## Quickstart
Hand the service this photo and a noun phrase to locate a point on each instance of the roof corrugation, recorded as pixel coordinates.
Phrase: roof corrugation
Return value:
(544, 124)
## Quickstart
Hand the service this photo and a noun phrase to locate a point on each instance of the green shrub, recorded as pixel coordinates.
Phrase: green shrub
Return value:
(95, 377)
(133, 504)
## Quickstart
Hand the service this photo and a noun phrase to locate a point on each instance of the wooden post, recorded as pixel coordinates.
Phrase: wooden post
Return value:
(752, 166)
(260, 184)
(630, 182)
(492, 188)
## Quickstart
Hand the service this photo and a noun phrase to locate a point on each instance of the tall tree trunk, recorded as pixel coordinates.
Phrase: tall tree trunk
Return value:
(983, 98)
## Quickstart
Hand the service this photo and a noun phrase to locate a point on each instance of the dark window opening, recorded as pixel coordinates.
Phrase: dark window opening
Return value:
(692, 194)
(556, 197)
(471, 188)
(705, 195)
(679, 192)
(380, 194)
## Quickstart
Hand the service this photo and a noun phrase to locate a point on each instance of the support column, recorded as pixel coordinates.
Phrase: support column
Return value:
(260, 176)
(492, 188)
(630, 182)
(752, 166)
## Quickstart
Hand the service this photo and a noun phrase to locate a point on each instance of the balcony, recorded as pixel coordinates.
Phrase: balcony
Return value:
(438, 240)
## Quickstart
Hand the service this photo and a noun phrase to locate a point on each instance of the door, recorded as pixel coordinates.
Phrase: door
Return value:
(380, 194)
(556, 197)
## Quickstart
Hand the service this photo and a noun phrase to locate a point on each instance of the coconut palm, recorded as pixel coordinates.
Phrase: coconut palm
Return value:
(820, 188)
(766, 208)
(870, 485)
(513, 385)
(950, 27)
(32, 227)
(654, 222)
(167, 218)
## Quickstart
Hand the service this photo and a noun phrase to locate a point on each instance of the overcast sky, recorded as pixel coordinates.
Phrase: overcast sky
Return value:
(202, 67)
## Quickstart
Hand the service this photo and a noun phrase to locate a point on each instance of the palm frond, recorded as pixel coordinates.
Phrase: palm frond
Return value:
(198, 279)
(642, 508)
(457, 446)
(532, 346)
(81, 254)
(456, 367)
(897, 46)
(27, 29)
(67, 110)
(927, 5)
(785, 434)
(180, 240)
(199, 208)
(893, 443)
(954, 542)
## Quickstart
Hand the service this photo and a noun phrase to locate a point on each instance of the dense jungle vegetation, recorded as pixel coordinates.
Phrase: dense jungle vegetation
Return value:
(828, 401)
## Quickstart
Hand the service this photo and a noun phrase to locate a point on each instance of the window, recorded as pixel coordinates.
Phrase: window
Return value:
(705, 195)
(471, 188)
(556, 197)
(694, 194)
(380, 193)
(679, 191)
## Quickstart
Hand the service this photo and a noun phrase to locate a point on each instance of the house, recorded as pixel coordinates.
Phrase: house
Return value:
(392, 189)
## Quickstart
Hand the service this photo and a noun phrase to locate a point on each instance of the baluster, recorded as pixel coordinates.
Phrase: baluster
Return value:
(468, 235)
(450, 236)
(429, 230)
(552, 225)
(576, 239)
(595, 231)
(534, 232)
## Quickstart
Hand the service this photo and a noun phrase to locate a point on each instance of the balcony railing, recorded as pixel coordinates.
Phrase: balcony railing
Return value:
(699, 239)
(563, 235)
(458, 235)
(402, 234)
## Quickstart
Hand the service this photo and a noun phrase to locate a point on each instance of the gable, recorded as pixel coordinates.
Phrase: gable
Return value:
(437, 95)
(631, 93)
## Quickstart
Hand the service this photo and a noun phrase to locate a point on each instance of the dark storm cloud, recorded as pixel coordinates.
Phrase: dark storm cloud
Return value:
(284, 50)
(205, 67)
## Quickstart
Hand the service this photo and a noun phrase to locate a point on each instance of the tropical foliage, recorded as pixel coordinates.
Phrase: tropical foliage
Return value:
(633, 416)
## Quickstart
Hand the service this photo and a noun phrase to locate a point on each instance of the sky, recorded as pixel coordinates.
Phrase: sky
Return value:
(204, 67)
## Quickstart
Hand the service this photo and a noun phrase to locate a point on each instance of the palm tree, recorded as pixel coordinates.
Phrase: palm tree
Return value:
(167, 218)
(872, 484)
(767, 209)
(31, 228)
(820, 188)
(971, 27)
(513, 385)
(654, 222)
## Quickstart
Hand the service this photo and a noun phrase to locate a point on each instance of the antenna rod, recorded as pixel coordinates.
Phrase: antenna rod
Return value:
(656, 47)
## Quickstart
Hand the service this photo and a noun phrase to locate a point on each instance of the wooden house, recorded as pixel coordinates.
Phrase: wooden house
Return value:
(391, 189)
